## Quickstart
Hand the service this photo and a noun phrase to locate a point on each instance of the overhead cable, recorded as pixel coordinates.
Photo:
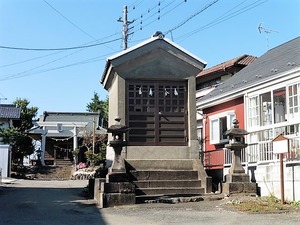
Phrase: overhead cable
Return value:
(224, 18)
(52, 7)
(58, 49)
(54, 53)
(25, 73)
(192, 16)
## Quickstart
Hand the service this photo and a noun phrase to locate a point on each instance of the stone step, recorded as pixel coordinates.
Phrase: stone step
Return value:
(156, 164)
(144, 175)
(169, 191)
(63, 162)
(167, 183)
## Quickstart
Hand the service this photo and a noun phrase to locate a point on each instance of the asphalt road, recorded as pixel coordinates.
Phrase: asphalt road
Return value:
(62, 203)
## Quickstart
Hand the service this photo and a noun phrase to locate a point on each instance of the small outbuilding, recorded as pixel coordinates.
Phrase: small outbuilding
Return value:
(152, 88)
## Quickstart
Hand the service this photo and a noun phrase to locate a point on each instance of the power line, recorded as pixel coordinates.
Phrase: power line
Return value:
(28, 60)
(52, 7)
(192, 16)
(43, 56)
(22, 74)
(159, 17)
(58, 49)
(224, 18)
(135, 4)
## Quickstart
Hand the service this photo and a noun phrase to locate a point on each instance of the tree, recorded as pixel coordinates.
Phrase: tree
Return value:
(100, 106)
(97, 105)
(16, 136)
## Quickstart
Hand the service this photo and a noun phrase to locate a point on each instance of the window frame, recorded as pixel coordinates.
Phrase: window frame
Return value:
(254, 120)
(254, 109)
(215, 137)
(293, 115)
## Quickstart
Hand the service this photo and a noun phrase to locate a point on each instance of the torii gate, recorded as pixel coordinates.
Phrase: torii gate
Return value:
(59, 128)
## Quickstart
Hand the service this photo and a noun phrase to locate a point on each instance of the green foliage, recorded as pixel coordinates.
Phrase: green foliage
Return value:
(8, 134)
(295, 203)
(75, 152)
(94, 159)
(97, 105)
(16, 136)
(263, 204)
(27, 114)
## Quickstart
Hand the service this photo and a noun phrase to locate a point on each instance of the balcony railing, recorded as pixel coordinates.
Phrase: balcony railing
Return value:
(254, 153)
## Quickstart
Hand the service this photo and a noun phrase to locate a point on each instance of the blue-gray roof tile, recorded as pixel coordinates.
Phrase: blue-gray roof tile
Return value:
(275, 61)
(9, 111)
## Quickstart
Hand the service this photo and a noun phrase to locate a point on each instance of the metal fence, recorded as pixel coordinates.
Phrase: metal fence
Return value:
(253, 153)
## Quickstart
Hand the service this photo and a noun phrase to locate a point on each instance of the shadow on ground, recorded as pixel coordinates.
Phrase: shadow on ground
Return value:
(39, 205)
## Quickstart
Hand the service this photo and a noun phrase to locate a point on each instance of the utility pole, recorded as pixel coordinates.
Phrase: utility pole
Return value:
(125, 27)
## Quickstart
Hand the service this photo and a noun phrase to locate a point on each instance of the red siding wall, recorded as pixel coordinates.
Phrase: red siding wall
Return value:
(216, 159)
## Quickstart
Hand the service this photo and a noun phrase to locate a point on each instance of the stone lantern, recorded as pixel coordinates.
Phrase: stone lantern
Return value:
(237, 181)
(116, 190)
(39, 155)
(117, 171)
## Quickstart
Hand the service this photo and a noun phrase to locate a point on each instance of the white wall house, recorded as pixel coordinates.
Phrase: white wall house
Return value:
(270, 88)
(8, 114)
(272, 109)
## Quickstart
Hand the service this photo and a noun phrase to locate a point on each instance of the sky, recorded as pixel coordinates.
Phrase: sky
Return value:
(65, 80)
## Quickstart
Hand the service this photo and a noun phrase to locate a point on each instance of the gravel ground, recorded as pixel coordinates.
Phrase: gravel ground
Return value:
(61, 202)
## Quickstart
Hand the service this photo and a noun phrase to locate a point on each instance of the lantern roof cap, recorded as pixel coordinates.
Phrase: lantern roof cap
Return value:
(235, 130)
(117, 127)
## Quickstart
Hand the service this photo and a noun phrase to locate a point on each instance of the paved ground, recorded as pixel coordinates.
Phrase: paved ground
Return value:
(36, 202)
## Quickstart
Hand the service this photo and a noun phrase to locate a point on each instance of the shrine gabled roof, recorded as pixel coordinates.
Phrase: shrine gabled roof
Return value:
(275, 63)
(152, 39)
(153, 56)
(50, 121)
(9, 111)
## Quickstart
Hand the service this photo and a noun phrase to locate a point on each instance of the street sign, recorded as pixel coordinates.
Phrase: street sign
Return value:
(280, 144)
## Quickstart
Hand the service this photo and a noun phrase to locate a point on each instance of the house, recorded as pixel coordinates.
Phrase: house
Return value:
(9, 116)
(264, 97)
(210, 78)
(152, 89)
(62, 132)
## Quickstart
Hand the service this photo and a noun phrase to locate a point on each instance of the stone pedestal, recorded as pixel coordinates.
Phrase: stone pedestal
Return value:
(116, 193)
(238, 184)
(237, 181)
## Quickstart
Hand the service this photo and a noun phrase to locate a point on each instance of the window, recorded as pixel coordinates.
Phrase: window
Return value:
(266, 109)
(279, 98)
(253, 112)
(218, 125)
(294, 97)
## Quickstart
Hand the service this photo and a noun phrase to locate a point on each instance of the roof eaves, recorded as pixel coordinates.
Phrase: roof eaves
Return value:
(119, 54)
(245, 60)
(229, 95)
(185, 51)
(152, 39)
(221, 66)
